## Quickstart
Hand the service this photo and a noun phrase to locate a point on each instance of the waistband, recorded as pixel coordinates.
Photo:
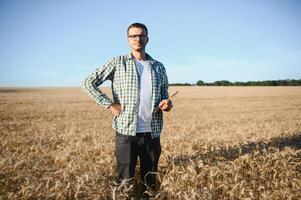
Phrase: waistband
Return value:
(141, 134)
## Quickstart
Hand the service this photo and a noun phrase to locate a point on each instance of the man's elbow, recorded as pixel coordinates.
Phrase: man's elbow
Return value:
(86, 84)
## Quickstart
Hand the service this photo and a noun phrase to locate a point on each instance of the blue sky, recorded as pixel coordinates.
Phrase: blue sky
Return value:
(58, 43)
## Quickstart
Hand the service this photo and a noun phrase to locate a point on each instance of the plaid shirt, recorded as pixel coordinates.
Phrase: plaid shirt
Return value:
(122, 71)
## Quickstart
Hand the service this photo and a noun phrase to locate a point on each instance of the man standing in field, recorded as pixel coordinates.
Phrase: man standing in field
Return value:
(139, 85)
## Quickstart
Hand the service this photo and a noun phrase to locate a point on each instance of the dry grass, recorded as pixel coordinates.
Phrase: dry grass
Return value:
(218, 143)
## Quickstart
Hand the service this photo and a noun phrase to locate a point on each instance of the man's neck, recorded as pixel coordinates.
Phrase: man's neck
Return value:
(139, 55)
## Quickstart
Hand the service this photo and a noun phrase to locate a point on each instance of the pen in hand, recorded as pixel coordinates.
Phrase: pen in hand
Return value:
(158, 107)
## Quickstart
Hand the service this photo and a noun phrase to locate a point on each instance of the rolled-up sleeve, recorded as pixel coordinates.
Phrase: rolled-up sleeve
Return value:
(164, 86)
(93, 81)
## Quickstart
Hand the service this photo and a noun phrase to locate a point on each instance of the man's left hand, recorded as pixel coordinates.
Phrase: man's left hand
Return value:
(165, 105)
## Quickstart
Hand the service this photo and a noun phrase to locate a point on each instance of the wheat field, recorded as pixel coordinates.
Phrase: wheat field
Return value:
(217, 143)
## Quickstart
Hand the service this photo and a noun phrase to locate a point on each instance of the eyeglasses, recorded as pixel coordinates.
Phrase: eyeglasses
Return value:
(135, 37)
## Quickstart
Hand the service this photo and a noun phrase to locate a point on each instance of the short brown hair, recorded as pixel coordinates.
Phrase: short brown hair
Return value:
(137, 25)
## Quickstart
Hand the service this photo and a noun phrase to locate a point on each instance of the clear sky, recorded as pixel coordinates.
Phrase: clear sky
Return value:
(58, 43)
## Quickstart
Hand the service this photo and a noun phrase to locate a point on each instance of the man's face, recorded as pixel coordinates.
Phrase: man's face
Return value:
(137, 38)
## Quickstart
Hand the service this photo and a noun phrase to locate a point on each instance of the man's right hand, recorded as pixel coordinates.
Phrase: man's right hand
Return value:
(115, 109)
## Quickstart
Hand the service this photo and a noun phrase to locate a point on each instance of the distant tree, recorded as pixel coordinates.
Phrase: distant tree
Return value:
(282, 82)
(200, 82)
(271, 83)
(250, 83)
(286, 82)
(239, 84)
(222, 83)
(294, 82)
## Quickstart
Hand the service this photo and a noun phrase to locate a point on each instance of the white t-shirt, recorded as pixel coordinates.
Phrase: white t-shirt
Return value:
(144, 96)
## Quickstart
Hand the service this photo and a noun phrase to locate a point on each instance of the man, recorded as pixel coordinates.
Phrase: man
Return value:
(139, 85)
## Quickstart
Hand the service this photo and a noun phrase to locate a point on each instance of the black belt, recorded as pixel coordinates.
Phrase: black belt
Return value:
(143, 134)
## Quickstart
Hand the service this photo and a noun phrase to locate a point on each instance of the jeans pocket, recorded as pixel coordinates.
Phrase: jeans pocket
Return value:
(123, 149)
(120, 138)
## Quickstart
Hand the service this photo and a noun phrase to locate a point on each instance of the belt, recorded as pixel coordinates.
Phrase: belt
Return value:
(143, 134)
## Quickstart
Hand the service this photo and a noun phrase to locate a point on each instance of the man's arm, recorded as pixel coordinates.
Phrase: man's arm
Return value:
(164, 86)
(165, 104)
(91, 83)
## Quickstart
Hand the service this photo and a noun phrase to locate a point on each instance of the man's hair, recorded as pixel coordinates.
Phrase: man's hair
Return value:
(137, 25)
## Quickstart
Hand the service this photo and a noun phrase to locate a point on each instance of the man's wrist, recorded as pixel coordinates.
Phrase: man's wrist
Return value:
(110, 106)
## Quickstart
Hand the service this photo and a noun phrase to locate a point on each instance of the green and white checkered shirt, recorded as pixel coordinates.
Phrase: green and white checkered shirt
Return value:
(122, 71)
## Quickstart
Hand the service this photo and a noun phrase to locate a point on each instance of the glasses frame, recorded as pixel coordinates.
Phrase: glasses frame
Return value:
(136, 37)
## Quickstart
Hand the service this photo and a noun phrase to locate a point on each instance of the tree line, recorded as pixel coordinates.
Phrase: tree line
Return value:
(286, 82)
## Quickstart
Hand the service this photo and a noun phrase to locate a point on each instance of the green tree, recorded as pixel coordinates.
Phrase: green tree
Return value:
(200, 82)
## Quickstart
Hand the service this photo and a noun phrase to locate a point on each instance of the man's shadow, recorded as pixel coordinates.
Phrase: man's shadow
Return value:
(233, 152)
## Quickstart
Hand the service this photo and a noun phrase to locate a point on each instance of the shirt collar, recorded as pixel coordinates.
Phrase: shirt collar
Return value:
(131, 57)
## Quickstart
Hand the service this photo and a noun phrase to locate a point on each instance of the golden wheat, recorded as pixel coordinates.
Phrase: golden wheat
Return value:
(217, 142)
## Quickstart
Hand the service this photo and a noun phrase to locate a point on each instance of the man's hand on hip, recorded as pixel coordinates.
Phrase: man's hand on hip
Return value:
(115, 109)
(165, 105)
